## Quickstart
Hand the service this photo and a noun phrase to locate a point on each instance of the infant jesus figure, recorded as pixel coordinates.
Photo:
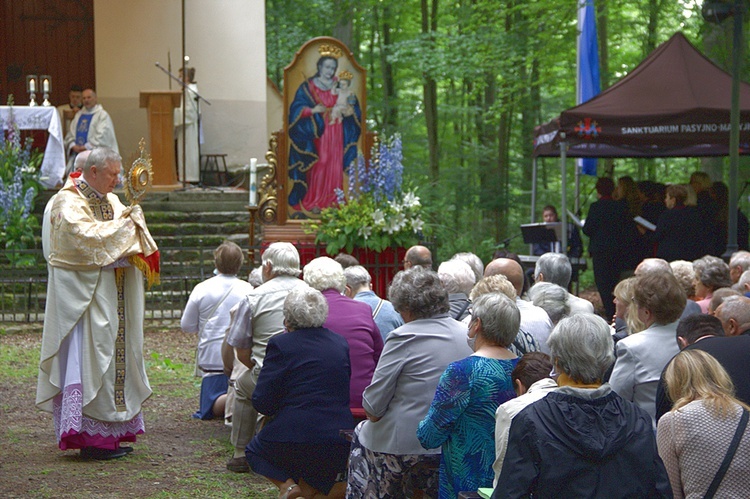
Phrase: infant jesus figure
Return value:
(344, 95)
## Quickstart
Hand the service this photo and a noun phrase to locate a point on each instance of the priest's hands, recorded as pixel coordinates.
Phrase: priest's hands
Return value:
(135, 213)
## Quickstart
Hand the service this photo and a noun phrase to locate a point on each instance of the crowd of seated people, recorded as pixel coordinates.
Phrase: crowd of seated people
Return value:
(485, 383)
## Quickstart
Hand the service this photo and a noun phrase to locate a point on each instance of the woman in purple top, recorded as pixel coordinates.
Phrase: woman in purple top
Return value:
(349, 318)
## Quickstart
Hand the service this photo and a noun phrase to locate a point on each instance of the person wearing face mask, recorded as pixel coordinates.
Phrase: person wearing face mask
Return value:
(461, 417)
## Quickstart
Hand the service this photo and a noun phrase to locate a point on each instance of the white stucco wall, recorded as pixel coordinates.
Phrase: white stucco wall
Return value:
(225, 40)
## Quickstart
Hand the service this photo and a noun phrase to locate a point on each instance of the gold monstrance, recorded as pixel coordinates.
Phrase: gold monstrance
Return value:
(138, 176)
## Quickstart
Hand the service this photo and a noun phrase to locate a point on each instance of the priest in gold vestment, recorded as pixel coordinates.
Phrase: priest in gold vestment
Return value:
(92, 375)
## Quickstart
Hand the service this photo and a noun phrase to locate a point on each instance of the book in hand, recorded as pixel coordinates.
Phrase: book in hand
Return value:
(580, 222)
(485, 492)
(645, 223)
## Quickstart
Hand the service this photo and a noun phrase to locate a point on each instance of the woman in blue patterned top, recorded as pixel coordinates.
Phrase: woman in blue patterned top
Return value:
(462, 415)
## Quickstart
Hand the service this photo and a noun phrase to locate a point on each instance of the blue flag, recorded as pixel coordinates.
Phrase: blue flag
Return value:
(588, 66)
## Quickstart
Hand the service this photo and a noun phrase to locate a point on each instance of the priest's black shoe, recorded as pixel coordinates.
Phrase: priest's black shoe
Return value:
(102, 454)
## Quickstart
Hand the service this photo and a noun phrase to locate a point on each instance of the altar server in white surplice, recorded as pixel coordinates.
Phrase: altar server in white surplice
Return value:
(91, 128)
(192, 167)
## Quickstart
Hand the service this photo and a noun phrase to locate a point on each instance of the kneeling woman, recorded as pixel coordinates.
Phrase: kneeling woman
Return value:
(304, 388)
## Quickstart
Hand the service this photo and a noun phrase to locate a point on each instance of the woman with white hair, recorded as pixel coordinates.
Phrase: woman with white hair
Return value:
(352, 320)
(304, 387)
(461, 417)
(524, 342)
(582, 440)
(711, 273)
(458, 279)
(552, 298)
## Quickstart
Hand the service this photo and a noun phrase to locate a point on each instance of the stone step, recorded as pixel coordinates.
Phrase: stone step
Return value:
(190, 201)
(176, 229)
(206, 217)
(208, 241)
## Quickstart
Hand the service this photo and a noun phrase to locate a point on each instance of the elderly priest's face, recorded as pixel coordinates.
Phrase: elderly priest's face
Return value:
(104, 179)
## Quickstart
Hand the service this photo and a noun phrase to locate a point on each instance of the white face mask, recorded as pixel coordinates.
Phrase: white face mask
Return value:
(469, 340)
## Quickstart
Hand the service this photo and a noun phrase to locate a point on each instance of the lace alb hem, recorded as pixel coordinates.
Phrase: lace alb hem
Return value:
(69, 418)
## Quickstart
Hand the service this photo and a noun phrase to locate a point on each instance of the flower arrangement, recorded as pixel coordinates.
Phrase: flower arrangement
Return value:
(19, 185)
(376, 214)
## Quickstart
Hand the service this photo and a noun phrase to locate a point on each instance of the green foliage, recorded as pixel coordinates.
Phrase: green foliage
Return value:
(165, 363)
(365, 223)
(501, 68)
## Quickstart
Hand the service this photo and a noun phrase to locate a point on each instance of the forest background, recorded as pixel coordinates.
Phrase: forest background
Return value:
(464, 82)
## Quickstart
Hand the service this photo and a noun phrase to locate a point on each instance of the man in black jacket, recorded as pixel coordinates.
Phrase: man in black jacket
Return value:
(726, 337)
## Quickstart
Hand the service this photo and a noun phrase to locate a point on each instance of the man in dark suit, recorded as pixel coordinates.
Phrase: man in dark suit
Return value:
(726, 337)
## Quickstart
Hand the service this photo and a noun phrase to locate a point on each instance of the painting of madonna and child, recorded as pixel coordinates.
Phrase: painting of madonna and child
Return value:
(324, 95)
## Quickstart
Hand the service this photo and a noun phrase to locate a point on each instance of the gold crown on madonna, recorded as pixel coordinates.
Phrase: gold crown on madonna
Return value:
(327, 50)
(345, 75)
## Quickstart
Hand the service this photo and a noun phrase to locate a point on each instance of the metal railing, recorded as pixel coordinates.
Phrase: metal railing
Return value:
(23, 290)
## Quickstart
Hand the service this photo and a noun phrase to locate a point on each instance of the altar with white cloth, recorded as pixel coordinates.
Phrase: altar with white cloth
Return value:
(41, 118)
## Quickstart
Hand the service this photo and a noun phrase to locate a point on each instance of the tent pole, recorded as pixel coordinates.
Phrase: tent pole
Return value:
(533, 196)
(734, 129)
(564, 194)
(578, 189)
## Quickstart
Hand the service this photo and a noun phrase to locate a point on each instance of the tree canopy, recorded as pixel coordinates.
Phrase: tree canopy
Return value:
(464, 82)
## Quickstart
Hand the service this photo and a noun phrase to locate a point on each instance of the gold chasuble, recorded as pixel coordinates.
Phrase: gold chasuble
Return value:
(99, 253)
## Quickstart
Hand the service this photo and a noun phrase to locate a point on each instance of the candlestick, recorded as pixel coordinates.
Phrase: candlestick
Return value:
(252, 183)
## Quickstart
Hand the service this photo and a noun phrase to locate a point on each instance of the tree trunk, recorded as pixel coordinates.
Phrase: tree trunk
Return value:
(602, 32)
(343, 29)
(389, 86)
(429, 26)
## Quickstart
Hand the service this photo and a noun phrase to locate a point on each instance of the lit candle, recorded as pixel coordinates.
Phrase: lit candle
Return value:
(45, 85)
(252, 187)
(32, 85)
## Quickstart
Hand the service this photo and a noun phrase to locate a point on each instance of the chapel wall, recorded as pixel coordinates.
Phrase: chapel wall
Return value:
(225, 40)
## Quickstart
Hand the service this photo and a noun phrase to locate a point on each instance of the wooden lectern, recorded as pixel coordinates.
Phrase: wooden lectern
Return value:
(160, 105)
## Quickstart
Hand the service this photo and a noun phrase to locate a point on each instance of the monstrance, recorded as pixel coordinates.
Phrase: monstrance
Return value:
(138, 176)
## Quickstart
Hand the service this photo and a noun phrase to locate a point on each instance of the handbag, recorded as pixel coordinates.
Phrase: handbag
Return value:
(729, 456)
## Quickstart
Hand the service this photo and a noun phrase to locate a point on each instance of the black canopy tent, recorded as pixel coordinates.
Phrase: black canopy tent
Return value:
(676, 103)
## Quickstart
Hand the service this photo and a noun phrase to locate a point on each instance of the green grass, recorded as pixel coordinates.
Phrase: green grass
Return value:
(19, 361)
(177, 457)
